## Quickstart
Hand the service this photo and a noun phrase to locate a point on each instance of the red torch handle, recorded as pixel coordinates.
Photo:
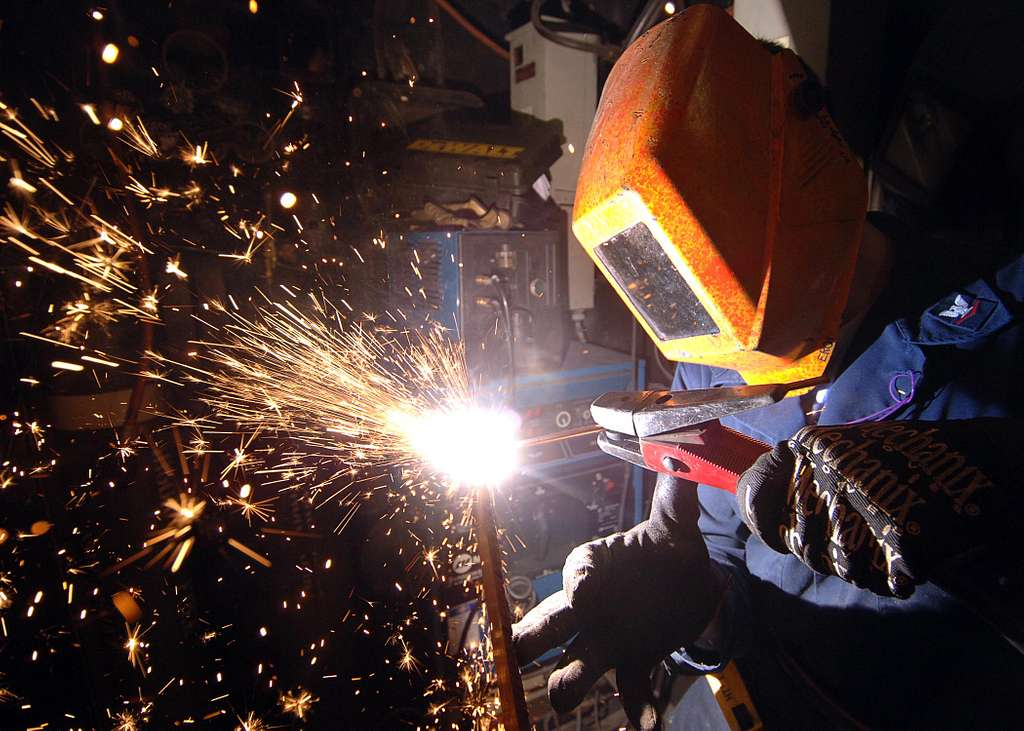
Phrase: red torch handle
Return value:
(721, 459)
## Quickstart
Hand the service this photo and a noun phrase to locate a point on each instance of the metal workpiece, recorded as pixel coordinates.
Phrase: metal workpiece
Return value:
(514, 714)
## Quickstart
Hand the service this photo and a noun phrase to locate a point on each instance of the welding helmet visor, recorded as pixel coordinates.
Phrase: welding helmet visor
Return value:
(719, 200)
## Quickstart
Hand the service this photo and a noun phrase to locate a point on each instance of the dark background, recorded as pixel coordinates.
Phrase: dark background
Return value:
(223, 66)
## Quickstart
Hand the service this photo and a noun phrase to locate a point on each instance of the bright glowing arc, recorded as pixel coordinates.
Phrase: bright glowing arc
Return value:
(470, 445)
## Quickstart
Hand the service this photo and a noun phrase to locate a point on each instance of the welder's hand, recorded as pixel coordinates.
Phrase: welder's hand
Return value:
(630, 600)
(885, 505)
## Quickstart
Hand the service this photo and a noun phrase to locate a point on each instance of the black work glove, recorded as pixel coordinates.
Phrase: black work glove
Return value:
(630, 599)
(883, 505)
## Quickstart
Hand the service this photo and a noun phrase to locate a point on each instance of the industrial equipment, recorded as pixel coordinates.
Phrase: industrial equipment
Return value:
(501, 292)
(552, 81)
(457, 154)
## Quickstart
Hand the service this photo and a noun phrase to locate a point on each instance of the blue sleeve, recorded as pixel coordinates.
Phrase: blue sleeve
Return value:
(726, 538)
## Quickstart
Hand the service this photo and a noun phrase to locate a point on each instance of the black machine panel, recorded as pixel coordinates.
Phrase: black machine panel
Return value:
(483, 285)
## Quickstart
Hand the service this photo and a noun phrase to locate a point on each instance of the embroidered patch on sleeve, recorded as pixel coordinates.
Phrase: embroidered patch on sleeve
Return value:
(964, 310)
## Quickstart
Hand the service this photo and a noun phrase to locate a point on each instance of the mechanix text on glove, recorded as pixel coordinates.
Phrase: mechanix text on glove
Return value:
(881, 504)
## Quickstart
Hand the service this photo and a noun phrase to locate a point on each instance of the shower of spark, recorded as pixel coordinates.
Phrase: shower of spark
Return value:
(362, 395)
(298, 703)
(251, 508)
(6, 695)
(137, 137)
(135, 646)
(251, 722)
(298, 390)
(406, 661)
(126, 721)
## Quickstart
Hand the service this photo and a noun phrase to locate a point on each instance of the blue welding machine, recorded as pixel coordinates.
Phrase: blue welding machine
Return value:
(503, 293)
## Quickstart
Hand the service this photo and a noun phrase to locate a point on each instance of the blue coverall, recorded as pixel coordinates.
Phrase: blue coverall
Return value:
(947, 336)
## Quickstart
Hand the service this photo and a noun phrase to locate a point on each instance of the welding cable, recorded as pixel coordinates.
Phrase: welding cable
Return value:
(509, 336)
(580, 329)
(643, 21)
(473, 30)
(627, 485)
(666, 367)
(464, 634)
(525, 310)
(632, 357)
(602, 50)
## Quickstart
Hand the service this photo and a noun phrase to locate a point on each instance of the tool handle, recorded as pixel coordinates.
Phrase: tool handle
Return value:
(719, 461)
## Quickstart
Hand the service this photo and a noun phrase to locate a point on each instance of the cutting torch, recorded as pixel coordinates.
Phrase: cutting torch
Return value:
(678, 432)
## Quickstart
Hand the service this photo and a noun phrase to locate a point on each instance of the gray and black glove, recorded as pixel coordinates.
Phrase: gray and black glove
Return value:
(882, 505)
(630, 600)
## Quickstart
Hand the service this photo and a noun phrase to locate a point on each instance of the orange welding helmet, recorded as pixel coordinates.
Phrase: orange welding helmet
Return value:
(720, 200)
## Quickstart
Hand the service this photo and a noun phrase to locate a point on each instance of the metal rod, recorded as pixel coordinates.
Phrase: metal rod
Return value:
(560, 435)
(514, 714)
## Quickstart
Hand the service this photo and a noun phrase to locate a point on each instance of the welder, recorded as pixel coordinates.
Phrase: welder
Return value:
(864, 573)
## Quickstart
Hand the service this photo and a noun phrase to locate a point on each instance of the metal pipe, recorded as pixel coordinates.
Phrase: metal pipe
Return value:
(478, 34)
(514, 714)
(560, 435)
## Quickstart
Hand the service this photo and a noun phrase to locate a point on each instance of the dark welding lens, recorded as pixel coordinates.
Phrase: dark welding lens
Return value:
(643, 271)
